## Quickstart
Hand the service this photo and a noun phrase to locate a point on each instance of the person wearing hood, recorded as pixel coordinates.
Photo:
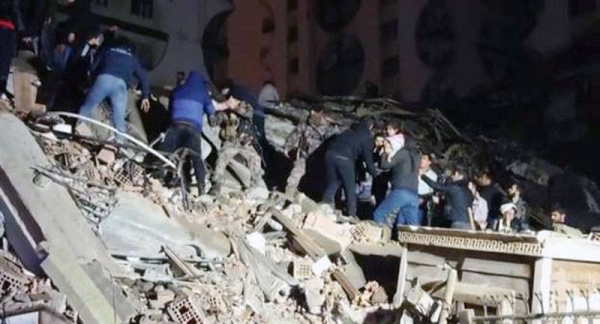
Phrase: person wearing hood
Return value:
(189, 103)
(341, 159)
(11, 22)
(458, 198)
(401, 157)
(116, 68)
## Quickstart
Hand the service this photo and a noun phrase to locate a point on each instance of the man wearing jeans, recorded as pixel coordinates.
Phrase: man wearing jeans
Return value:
(404, 165)
(189, 103)
(117, 65)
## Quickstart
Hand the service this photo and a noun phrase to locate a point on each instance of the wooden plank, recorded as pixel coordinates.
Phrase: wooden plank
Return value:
(507, 269)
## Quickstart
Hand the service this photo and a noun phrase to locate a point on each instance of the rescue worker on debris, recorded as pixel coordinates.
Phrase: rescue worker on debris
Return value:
(11, 22)
(493, 195)
(558, 216)
(116, 66)
(190, 102)
(508, 222)
(402, 159)
(515, 196)
(425, 191)
(479, 209)
(306, 138)
(457, 195)
(341, 158)
(258, 117)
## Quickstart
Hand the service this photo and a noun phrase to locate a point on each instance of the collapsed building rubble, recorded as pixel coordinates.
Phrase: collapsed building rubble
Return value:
(122, 246)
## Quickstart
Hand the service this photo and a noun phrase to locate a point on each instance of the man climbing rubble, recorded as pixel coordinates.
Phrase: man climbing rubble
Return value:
(304, 141)
(189, 103)
(340, 162)
(116, 66)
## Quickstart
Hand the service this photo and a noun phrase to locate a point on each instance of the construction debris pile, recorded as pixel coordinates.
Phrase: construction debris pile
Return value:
(241, 255)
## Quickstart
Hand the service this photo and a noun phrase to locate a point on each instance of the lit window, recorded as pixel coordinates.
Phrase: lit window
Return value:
(142, 8)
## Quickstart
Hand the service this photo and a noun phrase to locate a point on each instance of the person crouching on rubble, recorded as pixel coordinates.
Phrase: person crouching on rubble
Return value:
(306, 138)
(189, 103)
(402, 158)
(458, 198)
(116, 66)
(341, 159)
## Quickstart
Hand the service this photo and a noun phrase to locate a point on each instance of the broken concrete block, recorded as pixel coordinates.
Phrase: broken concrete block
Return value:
(313, 291)
(329, 228)
(302, 269)
(107, 155)
(258, 194)
(186, 311)
(160, 299)
(367, 232)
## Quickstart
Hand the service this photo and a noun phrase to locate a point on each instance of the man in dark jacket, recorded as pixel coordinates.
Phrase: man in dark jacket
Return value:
(493, 195)
(10, 23)
(81, 20)
(403, 163)
(116, 67)
(189, 103)
(341, 158)
(458, 198)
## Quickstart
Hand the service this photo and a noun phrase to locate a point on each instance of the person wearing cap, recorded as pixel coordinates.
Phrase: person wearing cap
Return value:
(401, 157)
(509, 222)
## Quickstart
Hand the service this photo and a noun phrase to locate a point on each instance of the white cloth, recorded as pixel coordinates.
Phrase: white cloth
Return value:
(480, 210)
(396, 142)
(267, 95)
(424, 189)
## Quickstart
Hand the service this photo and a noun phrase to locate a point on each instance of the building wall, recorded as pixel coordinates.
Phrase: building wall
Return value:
(388, 32)
(182, 22)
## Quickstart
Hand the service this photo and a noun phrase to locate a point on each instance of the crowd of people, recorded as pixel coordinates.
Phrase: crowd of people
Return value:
(406, 190)
(78, 52)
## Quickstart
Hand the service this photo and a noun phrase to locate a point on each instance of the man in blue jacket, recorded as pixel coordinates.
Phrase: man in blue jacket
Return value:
(116, 67)
(189, 103)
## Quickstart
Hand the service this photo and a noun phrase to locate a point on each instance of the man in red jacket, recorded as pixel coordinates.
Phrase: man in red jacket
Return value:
(10, 23)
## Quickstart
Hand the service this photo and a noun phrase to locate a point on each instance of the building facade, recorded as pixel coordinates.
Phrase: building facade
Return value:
(169, 35)
(417, 50)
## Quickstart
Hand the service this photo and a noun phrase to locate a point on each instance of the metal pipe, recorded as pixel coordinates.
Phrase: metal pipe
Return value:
(126, 136)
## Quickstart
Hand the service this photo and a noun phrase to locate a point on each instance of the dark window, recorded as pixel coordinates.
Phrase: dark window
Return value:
(292, 5)
(578, 7)
(385, 3)
(294, 66)
(142, 8)
(389, 30)
(391, 67)
(292, 35)
(268, 25)
(101, 3)
(263, 53)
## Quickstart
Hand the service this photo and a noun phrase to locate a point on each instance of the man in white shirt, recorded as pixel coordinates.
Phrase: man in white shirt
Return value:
(424, 190)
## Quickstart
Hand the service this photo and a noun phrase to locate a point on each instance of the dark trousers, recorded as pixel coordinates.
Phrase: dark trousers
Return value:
(259, 123)
(183, 136)
(8, 44)
(340, 171)
(380, 187)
